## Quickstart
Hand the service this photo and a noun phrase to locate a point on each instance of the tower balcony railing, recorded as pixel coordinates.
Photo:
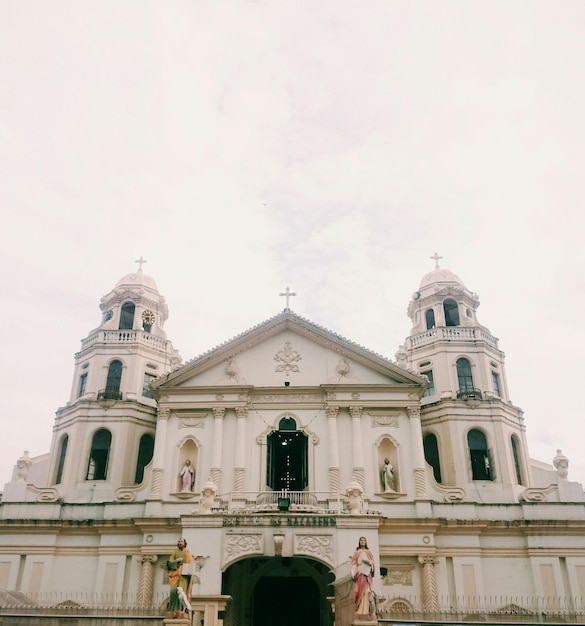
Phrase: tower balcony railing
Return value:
(469, 394)
(251, 502)
(450, 333)
(124, 337)
(109, 394)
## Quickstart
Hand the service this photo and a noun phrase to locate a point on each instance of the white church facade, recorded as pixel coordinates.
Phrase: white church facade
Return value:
(274, 452)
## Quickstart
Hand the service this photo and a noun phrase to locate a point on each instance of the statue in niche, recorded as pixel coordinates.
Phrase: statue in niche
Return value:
(387, 477)
(187, 475)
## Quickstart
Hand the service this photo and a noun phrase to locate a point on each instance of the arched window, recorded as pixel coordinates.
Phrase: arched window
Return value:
(113, 380)
(431, 449)
(127, 316)
(481, 465)
(516, 457)
(430, 318)
(97, 467)
(464, 377)
(145, 451)
(62, 455)
(287, 458)
(451, 310)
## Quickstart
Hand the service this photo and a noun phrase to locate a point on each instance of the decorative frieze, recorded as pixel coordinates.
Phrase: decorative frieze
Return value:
(385, 418)
(318, 546)
(241, 545)
(398, 575)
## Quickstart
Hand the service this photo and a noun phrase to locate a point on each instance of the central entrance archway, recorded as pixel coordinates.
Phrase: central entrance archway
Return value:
(282, 601)
(278, 591)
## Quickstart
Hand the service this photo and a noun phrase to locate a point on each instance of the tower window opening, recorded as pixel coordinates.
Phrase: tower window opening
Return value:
(82, 385)
(146, 390)
(451, 310)
(430, 390)
(496, 384)
(97, 467)
(431, 449)
(481, 463)
(430, 318)
(464, 376)
(127, 316)
(62, 456)
(113, 381)
(145, 452)
(516, 458)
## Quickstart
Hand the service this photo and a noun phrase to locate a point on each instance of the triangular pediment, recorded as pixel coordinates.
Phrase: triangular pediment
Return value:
(288, 349)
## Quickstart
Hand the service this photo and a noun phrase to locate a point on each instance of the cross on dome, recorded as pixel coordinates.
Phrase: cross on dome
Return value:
(436, 258)
(288, 293)
(140, 262)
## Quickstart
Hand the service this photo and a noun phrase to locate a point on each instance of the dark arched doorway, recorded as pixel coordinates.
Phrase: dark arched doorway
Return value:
(278, 591)
(285, 601)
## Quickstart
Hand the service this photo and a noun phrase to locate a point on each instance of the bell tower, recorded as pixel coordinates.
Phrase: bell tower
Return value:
(473, 436)
(103, 437)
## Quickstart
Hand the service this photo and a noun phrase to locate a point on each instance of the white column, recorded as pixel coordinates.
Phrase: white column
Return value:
(145, 584)
(429, 582)
(160, 443)
(218, 414)
(240, 469)
(418, 454)
(358, 448)
(334, 472)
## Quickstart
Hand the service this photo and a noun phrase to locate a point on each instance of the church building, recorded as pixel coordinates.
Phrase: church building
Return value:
(272, 455)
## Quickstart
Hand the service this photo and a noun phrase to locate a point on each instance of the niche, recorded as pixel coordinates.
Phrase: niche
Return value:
(387, 464)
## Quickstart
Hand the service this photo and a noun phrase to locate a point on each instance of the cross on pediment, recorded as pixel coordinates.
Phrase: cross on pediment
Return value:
(140, 262)
(288, 294)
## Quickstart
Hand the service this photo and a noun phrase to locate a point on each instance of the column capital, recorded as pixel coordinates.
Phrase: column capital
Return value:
(355, 411)
(413, 411)
(147, 558)
(241, 411)
(331, 410)
(163, 413)
(427, 559)
(219, 412)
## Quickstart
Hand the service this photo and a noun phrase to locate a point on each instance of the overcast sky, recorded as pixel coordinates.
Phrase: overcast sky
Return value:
(241, 147)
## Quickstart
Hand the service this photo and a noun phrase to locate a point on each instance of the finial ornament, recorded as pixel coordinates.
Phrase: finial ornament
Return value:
(436, 258)
(140, 262)
(288, 293)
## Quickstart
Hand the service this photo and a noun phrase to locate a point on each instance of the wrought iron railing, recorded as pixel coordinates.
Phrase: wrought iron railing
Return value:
(481, 609)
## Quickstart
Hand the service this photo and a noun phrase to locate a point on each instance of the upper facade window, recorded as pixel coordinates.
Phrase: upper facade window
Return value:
(451, 310)
(127, 316)
(287, 457)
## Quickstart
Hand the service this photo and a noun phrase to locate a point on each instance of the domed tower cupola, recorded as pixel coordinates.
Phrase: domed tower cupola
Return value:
(442, 300)
(129, 349)
(135, 304)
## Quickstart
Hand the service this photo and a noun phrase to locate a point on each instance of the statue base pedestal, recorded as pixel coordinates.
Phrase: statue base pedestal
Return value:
(177, 619)
(367, 620)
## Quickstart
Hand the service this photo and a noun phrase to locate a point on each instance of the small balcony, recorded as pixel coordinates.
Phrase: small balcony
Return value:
(109, 394)
(469, 394)
(246, 503)
(462, 334)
